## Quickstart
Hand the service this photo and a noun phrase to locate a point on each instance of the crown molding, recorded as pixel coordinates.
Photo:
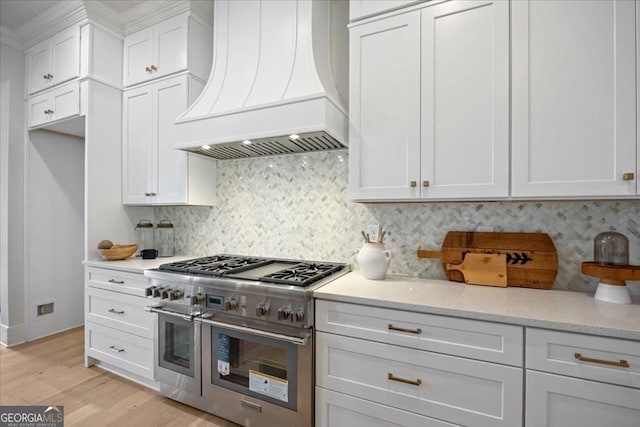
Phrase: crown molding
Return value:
(60, 16)
(103, 16)
(149, 13)
(9, 38)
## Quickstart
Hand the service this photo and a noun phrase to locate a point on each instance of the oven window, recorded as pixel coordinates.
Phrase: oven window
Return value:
(176, 346)
(256, 366)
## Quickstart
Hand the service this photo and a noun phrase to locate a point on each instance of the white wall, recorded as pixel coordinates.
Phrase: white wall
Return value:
(54, 232)
(12, 286)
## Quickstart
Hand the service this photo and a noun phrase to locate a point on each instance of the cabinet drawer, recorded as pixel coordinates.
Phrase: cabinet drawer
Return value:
(560, 353)
(119, 281)
(126, 351)
(554, 400)
(492, 342)
(55, 104)
(339, 410)
(448, 388)
(119, 311)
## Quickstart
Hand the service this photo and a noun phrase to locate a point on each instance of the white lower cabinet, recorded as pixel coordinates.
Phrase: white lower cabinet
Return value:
(340, 410)
(576, 380)
(118, 331)
(391, 369)
(556, 400)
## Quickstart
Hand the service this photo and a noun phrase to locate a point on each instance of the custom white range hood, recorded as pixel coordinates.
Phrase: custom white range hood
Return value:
(278, 69)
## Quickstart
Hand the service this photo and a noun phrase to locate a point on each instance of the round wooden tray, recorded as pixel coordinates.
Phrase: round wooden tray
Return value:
(611, 274)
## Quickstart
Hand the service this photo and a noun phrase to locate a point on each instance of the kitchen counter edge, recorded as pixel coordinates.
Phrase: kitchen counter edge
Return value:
(132, 264)
(548, 309)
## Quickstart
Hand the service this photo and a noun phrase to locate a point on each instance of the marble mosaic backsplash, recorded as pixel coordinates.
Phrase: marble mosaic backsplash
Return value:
(297, 206)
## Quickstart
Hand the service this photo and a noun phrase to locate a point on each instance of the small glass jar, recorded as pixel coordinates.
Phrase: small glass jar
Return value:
(611, 248)
(144, 235)
(165, 239)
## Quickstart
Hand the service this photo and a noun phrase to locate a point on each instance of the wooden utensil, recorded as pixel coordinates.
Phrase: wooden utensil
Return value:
(531, 258)
(483, 269)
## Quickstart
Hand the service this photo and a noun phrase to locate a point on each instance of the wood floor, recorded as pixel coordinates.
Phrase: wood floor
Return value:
(50, 371)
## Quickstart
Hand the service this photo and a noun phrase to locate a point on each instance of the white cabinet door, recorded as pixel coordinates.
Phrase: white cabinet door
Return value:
(558, 401)
(573, 106)
(465, 100)
(37, 61)
(53, 61)
(171, 166)
(138, 57)
(384, 105)
(138, 141)
(157, 51)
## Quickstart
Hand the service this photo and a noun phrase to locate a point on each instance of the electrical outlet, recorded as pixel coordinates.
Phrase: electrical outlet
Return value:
(373, 231)
(45, 309)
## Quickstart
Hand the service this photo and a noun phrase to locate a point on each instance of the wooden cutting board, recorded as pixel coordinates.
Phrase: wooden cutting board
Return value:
(531, 258)
(483, 269)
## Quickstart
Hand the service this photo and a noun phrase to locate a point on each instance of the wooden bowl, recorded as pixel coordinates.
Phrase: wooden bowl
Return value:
(118, 252)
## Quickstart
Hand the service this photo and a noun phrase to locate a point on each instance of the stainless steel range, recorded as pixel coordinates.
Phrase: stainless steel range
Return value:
(234, 335)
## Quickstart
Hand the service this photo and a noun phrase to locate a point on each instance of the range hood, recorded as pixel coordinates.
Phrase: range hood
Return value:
(279, 70)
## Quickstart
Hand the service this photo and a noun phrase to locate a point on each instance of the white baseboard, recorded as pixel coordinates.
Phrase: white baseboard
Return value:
(12, 335)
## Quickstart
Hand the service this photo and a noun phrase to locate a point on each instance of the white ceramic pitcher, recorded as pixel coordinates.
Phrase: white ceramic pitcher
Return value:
(373, 260)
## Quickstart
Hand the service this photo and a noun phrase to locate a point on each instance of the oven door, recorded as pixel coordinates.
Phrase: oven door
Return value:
(177, 355)
(251, 373)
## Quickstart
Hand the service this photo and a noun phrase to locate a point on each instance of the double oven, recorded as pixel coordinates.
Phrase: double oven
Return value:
(234, 336)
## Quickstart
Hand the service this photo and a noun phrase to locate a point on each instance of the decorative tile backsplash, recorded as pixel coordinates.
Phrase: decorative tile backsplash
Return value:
(296, 206)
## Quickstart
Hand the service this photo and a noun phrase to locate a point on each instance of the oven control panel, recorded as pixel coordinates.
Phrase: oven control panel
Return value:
(267, 308)
(171, 293)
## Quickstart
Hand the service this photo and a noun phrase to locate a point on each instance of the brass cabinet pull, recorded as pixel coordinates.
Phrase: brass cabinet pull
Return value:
(402, 380)
(413, 184)
(425, 183)
(119, 282)
(116, 349)
(622, 363)
(416, 331)
(113, 310)
(629, 176)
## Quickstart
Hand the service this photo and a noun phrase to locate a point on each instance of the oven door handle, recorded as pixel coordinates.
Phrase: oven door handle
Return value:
(301, 341)
(187, 317)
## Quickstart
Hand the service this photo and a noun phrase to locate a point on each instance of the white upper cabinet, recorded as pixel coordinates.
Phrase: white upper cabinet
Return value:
(165, 48)
(53, 61)
(574, 98)
(154, 173)
(384, 108)
(429, 104)
(465, 100)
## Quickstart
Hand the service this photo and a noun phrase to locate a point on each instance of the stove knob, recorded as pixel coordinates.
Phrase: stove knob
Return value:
(156, 292)
(196, 299)
(165, 293)
(262, 310)
(297, 315)
(231, 304)
(283, 313)
(174, 295)
(149, 291)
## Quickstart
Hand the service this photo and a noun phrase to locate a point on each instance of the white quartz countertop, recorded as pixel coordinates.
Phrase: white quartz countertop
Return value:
(550, 309)
(133, 264)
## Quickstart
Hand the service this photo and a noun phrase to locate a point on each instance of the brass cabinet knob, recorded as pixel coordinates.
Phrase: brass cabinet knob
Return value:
(46, 76)
(413, 184)
(50, 76)
(153, 68)
(147, 69)
(425, 183)
(629, 176)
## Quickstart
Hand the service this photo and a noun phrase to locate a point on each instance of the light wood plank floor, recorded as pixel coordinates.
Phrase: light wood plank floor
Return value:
(50, 371)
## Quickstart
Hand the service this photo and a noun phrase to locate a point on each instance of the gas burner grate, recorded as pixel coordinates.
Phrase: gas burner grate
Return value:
(216, 265)
(302, 274)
